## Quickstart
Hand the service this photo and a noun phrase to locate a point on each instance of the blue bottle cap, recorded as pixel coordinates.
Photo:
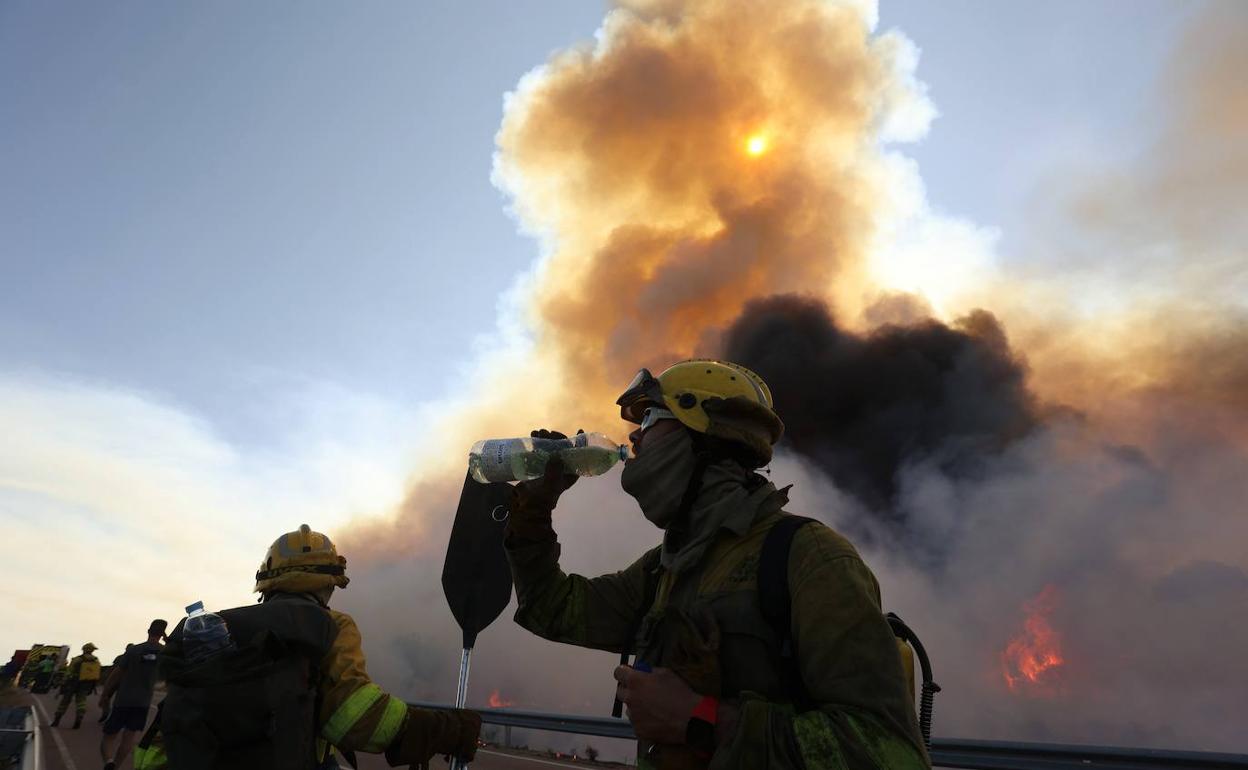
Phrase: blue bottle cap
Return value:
(190, 608)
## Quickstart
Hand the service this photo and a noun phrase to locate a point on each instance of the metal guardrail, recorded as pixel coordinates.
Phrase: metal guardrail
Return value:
(604, 727)
(1007, 755)
(954, 753)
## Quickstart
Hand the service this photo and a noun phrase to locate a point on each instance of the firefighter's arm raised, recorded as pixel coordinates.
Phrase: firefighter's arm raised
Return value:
(589, 612)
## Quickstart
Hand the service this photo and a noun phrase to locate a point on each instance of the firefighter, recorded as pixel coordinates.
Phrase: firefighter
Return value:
(294, 687)
(715, 683)
(81, 678)
(40, 669)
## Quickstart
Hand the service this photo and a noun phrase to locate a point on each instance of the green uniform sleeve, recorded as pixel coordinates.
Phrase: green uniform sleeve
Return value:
(861, 715)
(356, 714)
(589, 612)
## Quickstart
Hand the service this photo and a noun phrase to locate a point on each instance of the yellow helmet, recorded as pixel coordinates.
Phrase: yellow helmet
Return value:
(718, 398)
(301, 561)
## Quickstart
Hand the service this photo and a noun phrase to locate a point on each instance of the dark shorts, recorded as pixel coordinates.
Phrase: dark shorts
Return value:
(125, 718)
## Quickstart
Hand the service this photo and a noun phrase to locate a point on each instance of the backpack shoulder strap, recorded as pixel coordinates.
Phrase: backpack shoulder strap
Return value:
(776, 602)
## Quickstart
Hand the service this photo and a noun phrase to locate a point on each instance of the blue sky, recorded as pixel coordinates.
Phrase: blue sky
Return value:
(214, 201)
(245, 246)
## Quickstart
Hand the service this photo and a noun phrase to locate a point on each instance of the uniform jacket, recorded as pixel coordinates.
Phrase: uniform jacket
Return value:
(860, 714)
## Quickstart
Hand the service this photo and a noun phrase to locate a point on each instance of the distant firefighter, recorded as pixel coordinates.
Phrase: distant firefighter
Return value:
(81, 678)
(42, 671)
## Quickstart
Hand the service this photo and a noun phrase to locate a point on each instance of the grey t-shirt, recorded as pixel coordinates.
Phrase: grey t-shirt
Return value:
(138, 676)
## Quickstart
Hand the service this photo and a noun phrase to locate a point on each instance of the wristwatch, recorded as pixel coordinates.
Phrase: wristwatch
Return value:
(700, 731)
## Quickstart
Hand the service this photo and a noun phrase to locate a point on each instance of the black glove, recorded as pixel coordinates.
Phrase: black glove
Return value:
(428, 732)
(532, 501)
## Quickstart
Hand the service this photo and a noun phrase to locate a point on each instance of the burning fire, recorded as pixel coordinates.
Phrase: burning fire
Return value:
(497, 701)
(1032, 658)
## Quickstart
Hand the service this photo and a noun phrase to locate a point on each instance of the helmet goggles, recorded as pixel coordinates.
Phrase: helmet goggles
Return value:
(643, 392)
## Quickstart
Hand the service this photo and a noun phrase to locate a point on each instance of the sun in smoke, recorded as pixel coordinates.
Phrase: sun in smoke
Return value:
(756, 145)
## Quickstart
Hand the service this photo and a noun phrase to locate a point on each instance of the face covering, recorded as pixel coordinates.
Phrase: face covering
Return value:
(658, 476)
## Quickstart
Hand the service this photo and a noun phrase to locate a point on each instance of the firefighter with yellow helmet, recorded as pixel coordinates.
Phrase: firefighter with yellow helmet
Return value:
(295, 685)
(807, 676)
(81, 677)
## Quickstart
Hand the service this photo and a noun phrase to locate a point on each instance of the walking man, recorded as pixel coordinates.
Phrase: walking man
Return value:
(132, 681)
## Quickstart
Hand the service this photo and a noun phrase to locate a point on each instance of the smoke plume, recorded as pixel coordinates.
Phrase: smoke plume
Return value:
(864, 408)
(708, 179)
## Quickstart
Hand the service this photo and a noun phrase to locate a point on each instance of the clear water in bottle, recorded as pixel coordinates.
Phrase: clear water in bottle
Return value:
(519, 459)
(204, 634)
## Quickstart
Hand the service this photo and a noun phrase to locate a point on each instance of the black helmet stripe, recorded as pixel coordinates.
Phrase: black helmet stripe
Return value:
(317, 569)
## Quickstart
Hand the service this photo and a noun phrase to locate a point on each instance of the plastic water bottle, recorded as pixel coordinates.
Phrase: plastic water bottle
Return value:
(518, 459)
(204, 634)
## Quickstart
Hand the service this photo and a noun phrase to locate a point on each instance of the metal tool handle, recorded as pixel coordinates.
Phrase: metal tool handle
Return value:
(461, 697)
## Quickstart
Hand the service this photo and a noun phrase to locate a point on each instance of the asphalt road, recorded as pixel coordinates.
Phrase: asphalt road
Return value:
(68, 749)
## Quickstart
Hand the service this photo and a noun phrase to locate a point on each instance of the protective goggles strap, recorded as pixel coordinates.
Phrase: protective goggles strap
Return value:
(654, 414)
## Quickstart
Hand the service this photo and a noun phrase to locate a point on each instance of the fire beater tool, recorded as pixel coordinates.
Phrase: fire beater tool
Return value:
(475, 576)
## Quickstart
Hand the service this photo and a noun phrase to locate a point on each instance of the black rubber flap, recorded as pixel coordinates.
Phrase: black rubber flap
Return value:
(475, 576)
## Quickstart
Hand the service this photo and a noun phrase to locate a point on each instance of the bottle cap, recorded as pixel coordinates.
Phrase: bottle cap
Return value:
(192, 608)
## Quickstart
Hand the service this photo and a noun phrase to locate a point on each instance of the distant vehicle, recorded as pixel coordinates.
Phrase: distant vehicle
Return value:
(39, 653)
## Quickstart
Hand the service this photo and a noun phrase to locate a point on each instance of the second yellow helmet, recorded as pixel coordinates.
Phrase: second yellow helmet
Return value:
(301, 561)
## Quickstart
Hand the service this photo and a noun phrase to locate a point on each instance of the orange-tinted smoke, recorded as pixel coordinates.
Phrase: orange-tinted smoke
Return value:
(700, 155)
(1146, 287)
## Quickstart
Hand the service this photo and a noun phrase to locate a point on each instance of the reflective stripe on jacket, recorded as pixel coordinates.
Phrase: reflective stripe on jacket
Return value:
(356, 714)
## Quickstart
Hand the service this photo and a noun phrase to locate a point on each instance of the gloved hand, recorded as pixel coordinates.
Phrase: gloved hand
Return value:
(428, 732)
(532, 501)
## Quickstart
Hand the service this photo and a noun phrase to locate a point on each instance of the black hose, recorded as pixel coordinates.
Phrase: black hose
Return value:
(929, 689)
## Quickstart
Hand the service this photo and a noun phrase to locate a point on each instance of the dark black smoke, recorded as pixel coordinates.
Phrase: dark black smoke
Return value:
(866, 408)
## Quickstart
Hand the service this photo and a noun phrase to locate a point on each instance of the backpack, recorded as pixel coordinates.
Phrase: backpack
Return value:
(255, 706)
(89, 671)
(776, 604)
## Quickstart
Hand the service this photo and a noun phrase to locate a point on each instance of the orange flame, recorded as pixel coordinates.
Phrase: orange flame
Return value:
(1031, 659)
(497, 701)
